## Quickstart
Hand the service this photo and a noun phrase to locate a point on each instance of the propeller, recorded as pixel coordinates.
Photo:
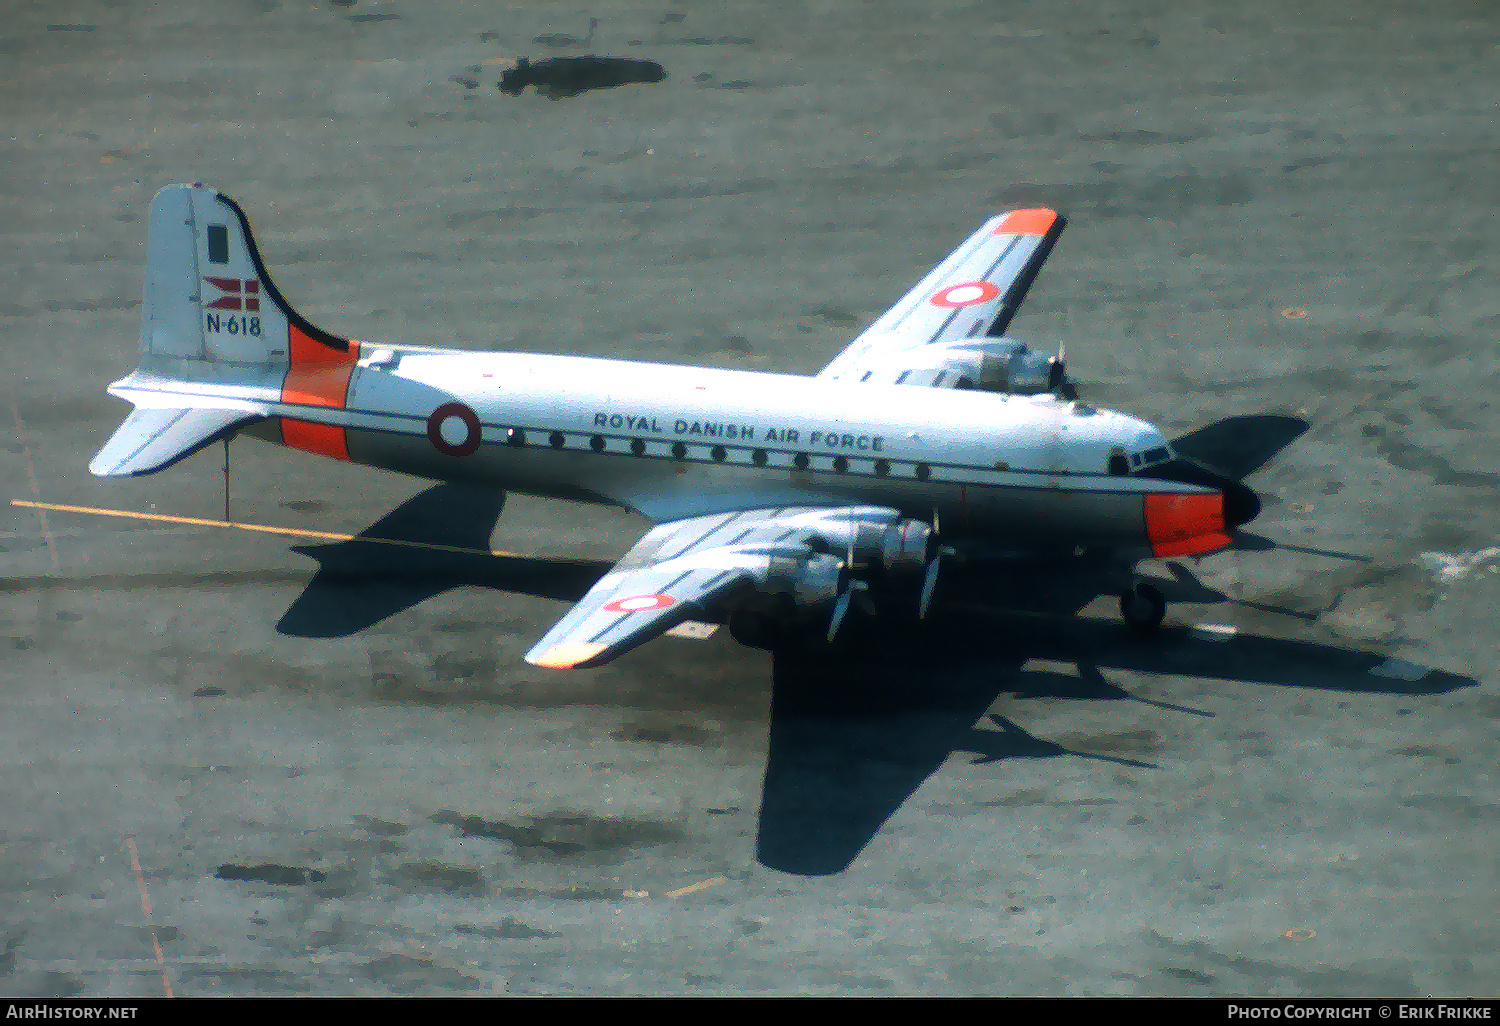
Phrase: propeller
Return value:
(934, 565)
(1057, 375)
(854, 591)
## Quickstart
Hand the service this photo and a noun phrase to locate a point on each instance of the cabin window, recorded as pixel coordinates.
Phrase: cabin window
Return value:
(882, 468)
(923, 472)
(718, 453)
(840, 464)
(638, 446)
(557, 440)
(800, 461)
(516, 437)
(759, 456)
(679, 451)
(597, 443)
(1118, 465)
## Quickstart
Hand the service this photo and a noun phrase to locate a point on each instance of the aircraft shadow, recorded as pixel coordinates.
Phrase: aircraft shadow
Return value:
(857, 727)
(1239, 446)
(361, 582)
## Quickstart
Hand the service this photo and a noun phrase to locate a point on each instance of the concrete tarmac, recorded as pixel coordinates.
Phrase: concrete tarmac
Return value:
(243, 764)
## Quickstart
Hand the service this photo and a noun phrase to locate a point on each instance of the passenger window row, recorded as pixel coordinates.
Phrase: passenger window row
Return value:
(516, 437)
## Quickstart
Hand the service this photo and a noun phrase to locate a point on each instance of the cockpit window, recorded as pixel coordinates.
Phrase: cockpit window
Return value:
(1157, 455)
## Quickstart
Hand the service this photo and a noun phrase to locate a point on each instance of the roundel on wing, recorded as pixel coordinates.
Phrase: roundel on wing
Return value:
(640, 603)
(453, 430)
(968, 293)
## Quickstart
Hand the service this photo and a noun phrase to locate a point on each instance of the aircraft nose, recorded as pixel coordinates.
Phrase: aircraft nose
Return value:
(1241, 504)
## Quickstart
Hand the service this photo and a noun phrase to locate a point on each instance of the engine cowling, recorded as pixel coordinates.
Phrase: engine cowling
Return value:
(898, 546)
(989, 364)
(807, 582)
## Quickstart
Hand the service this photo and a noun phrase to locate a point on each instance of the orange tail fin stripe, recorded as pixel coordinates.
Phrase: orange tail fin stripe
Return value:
(319, 374)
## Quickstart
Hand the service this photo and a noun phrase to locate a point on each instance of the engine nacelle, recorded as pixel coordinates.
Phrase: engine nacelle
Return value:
(900, 546)
(988, 364)
(807, 582)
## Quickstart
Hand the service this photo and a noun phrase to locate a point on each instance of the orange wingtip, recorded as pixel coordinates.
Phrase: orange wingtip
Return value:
(567, 655)
(1037, 221)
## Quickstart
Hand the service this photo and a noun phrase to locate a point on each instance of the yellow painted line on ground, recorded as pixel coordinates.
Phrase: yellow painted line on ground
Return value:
(690, 888)
(140, 883)
(295, 532)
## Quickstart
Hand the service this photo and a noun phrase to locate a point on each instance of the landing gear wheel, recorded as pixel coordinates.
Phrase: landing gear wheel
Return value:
(756, 630)
(1143, 608)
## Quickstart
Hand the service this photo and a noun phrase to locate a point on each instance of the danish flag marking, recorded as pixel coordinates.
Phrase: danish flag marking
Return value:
(239, 294)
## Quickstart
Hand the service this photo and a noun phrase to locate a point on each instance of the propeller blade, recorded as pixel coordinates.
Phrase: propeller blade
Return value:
(929, 585)
(840, 610)
(853, 594)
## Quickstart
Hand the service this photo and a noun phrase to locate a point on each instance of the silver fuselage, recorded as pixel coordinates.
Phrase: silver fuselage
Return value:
(673, 441)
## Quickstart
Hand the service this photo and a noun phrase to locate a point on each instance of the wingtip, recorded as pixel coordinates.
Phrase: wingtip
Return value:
(1032, 221)
(567, 655)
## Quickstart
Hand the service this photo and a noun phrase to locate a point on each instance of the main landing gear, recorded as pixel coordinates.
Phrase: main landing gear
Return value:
(1142, 607)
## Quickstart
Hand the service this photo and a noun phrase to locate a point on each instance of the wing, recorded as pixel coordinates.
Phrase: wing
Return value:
(973, 293)
(677, 572)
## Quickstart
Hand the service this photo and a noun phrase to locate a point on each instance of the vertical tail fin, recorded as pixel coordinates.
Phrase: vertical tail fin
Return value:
(210, 310)
(219, 343)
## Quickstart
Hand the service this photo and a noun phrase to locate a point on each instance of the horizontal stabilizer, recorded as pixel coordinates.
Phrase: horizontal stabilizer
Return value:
(153, 439)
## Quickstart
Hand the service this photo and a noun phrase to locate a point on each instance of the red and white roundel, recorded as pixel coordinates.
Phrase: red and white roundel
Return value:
(967, 294)
(640, 603)
(453, 430)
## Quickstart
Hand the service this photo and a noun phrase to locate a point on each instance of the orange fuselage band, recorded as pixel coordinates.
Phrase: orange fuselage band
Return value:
(318, 375)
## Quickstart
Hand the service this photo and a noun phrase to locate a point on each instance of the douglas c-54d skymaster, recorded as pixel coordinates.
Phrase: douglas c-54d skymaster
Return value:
(778, 500)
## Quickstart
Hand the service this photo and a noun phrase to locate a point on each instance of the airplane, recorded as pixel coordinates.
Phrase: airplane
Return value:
(779, 501)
